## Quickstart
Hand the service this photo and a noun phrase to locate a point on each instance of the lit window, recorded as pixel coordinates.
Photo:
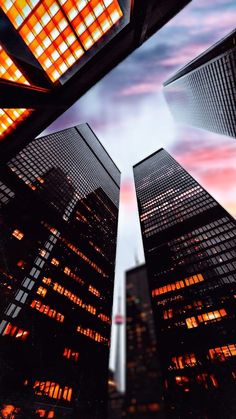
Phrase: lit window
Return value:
(223, 352)
(47, 310)
(70, 354)
(18, 234)
(191, 322)
(92, 334)
(15, 332)
(41, 291)
(212, 315)
(55, 262)
(52, 390)
(42, 24)
(187, 360)
(178, 285)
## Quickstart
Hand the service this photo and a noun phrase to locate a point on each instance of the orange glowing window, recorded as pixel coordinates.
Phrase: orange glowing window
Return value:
(58, 32)
(52, 390)
(18, 234)
(55, 262)
(191, 322)
(94, 291)
(15, 332)
(9, 119)
(212, 315)
(48, 311)
(223, 352)
(92, 334)
(181, 380)
(42, 291)
(104, 318)
(70, 354)
(187, 360)
(192, 280)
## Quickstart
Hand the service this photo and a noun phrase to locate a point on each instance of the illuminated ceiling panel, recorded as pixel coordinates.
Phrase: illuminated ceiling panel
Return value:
(59, 32)
(9, 119)
(8, 70)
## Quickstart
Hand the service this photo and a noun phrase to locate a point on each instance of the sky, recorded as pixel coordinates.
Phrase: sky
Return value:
(128, 112)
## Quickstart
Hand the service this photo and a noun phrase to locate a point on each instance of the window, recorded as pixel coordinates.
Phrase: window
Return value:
(42, 291)
(192, 280)
(45, 309)
(223, 352)
(191, 322)
(212, 315)
(182, 361)
(18, 234)
(55, 262)
(70, 354)
(52, 390)
(15, 332)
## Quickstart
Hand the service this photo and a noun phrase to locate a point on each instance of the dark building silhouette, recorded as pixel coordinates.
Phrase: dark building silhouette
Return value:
(116, 399)
(52, 52)
(144, 385)
(59, 209)
(203, 93)
(190, 247)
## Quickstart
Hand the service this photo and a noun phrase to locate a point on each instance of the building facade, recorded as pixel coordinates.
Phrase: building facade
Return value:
(59, 211)
(189, 242)
(144, 385)
(203, 93)
(53, 51)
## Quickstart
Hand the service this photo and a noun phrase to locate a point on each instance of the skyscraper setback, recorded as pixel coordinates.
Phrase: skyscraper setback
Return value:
(189, 242)
(59, 211)
(203, 93)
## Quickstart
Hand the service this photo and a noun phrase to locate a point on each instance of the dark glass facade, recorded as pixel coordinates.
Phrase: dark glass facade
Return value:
(144, 386)
(59, 211)
(203, 93)
(116, 399)
(189, 242)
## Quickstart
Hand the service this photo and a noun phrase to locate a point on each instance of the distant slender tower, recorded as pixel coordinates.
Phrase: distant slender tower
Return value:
(119, 321)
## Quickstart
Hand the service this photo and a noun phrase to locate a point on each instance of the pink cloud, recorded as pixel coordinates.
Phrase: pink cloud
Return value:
(141, 88)
(127, 194)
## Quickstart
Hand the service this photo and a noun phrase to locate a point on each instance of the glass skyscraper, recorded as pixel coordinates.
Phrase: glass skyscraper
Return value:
(59, 210)
(144, 390)
(203, 93)
(190, 248)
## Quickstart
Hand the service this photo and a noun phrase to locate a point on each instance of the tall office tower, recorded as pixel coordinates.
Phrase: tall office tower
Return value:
(53, 51)
(190, 247)
(203, 93)
(144, 387)
(59, 210)
(119, 322)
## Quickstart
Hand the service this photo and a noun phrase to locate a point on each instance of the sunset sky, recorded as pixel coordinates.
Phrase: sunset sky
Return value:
(128, 112)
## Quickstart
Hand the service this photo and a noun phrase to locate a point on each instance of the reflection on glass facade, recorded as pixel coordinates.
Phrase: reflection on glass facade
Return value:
(189, 243)
(144, 385)
(59, 211)
(203, 93)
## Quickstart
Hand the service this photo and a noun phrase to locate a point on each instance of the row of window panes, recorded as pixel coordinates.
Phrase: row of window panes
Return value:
(193, 322)
(45, 309)
(52, 390)
(178, 285)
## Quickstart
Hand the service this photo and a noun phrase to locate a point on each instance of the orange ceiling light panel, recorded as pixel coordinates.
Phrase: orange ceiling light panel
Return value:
(8, 70)
(9, 119)
(59, 32)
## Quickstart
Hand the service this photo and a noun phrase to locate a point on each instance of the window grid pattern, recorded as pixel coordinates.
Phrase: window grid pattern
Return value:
(59, 32)
(179, 195)
(10, 118)
(8, 70)
(209, 92)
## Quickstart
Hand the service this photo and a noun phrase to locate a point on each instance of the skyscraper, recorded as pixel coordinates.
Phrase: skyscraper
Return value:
(59, 211)
(53, 51)
(203, 93)
(189, 242)
(144, 386)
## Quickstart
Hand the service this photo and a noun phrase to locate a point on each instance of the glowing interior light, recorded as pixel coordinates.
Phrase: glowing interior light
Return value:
(69, 27)
(9, 119)
(8, 70)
